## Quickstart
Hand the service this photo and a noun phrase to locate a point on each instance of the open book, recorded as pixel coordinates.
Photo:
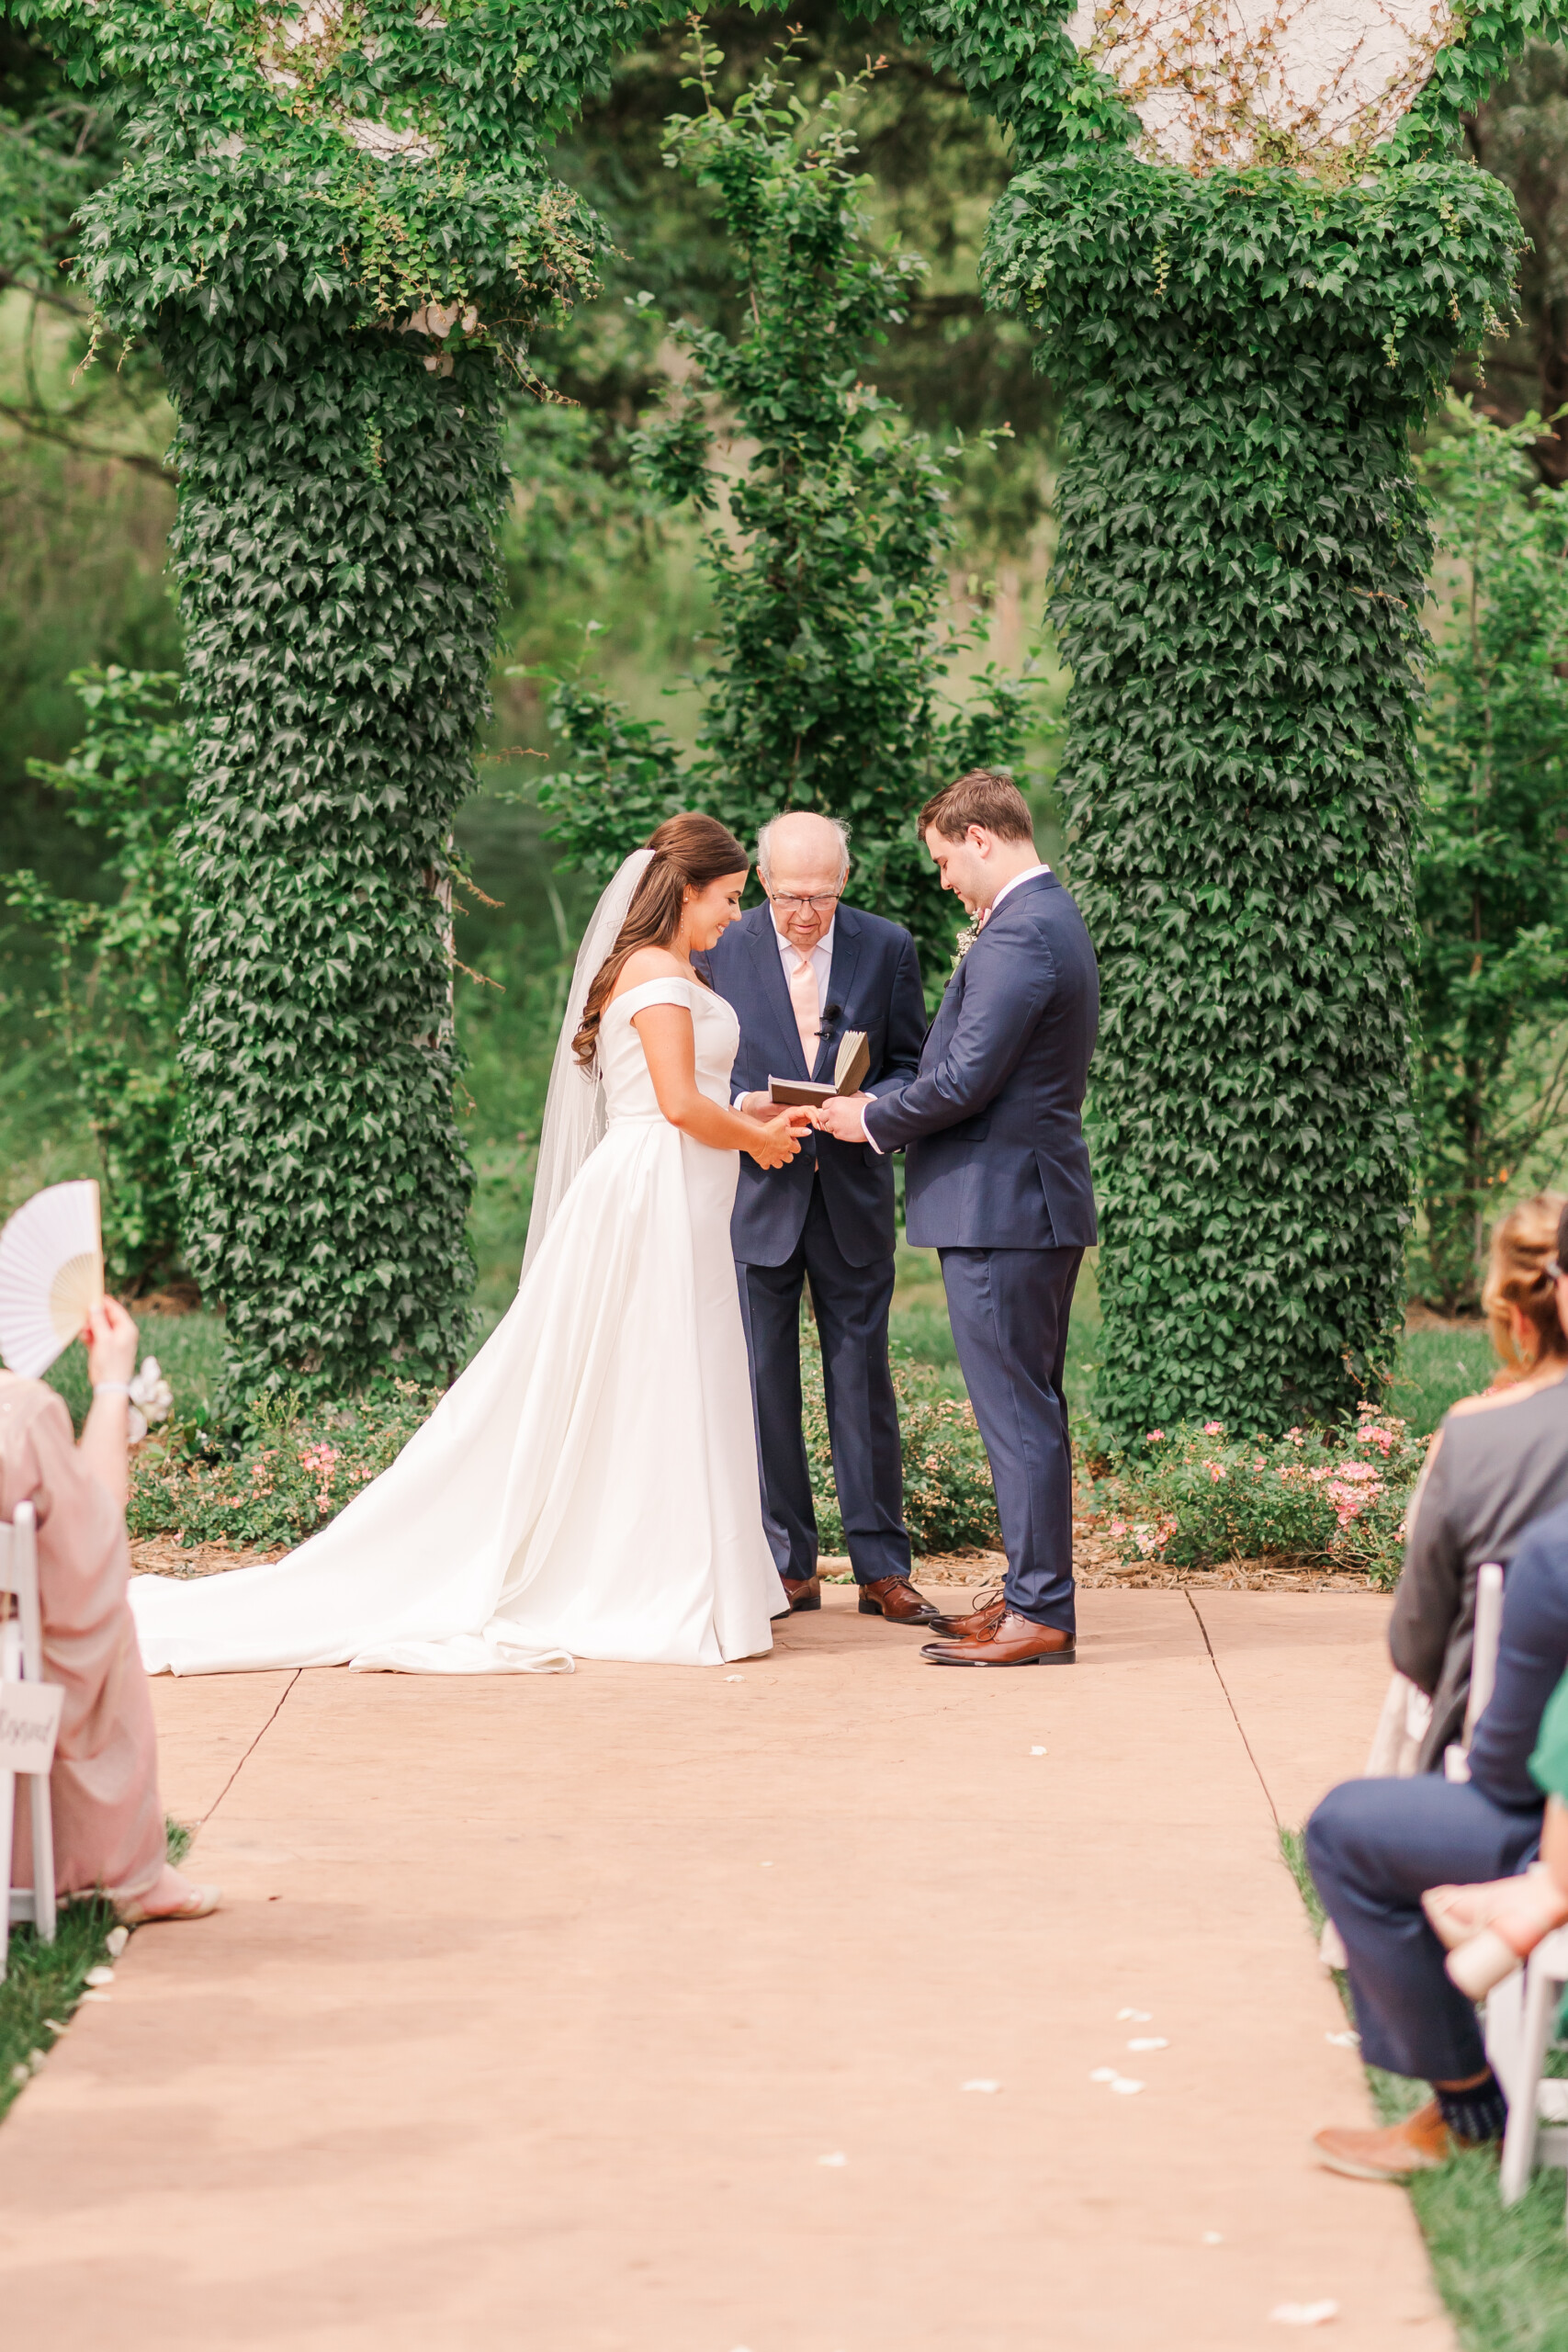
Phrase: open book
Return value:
(849, 1074)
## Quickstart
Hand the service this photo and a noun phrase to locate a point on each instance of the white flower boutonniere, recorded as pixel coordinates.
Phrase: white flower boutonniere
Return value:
(966, 938)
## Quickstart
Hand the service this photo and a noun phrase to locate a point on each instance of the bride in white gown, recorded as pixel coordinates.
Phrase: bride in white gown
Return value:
(589, 1485)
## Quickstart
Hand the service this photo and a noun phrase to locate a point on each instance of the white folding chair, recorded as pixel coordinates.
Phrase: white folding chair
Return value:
(30, 1723)
(1532, 2100)
(1482, 1666)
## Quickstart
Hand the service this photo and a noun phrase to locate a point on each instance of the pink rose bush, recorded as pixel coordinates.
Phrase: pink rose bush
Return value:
(1325, 1498)
(279, 1480)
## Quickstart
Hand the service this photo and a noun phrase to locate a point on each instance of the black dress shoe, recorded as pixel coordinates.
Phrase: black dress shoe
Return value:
(895, 1599)
(802, 1592)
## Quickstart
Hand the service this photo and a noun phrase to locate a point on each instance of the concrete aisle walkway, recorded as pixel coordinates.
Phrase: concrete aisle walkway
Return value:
(538, 2006)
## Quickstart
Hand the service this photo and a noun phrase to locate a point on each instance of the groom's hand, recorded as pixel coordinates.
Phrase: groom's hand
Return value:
(843, 1117)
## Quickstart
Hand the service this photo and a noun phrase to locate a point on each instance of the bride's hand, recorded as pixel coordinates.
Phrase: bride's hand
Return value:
(774, 1143)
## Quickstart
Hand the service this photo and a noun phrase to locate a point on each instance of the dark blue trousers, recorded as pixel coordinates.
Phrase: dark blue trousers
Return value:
(850, 1304)
(1374, 1847)
(1008, 1309)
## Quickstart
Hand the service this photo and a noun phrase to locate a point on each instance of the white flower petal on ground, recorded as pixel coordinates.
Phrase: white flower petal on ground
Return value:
(837, 2157)
(1127, 2083)
(116, 1939)
(100, 1977)
(1348, 2040)
(1148, 2041)
(735, 1677)
(1212, 2237)
(1037, 1751)
(1137, 2017)
(980, 2084)
(1304, 2314)
(1103, 2074)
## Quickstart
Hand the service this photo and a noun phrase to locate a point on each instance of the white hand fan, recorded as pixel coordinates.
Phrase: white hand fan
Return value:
(51, 1275)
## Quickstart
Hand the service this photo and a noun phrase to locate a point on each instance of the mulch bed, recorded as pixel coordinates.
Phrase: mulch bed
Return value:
(1096, 1560)
(159, 1556)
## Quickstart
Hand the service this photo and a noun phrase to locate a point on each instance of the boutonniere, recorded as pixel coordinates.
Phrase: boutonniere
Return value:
(966, 938)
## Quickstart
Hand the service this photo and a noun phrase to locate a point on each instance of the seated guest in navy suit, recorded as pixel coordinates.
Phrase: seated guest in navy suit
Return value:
(800, 971)
(1377, 1847)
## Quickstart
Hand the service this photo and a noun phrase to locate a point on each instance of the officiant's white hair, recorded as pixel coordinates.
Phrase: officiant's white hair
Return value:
(788, 817)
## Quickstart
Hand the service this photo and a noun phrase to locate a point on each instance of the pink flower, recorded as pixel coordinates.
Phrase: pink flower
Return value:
(1214, 1471)
(1118, 1527)
(1213, 1429)
(1155, 1437)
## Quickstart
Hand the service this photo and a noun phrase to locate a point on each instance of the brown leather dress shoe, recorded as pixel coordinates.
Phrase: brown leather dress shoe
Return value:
(1017, 1641)
(979, 1624)
(1422, 2143)
(803, 1592)
(895, 1599)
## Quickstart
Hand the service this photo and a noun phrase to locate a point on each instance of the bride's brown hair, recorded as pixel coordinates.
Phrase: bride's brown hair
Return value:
(689, 852)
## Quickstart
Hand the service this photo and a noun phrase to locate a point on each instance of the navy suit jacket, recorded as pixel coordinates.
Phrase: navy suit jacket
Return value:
(995, 1153)
(875, 982)
(1532, 1656)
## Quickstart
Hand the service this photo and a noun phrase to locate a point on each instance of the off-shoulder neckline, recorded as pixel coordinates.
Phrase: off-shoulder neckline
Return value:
(662, 980)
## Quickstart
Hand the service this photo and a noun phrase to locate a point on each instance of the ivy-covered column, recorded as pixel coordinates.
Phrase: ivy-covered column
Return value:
(335, 552)
(338, 229)
(1239, 588)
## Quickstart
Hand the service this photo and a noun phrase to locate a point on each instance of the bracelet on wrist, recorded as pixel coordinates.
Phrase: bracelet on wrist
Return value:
(111, 1387)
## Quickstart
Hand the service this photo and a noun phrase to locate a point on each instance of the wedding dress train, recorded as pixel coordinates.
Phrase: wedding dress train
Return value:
(589, 1485)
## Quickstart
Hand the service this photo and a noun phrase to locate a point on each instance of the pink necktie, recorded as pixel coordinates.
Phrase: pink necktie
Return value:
(808, 1008)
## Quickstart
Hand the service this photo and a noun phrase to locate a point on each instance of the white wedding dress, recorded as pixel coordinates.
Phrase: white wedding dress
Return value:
(588, 1486)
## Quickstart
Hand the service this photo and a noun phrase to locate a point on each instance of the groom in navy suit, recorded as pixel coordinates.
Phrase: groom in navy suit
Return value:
(997, 1180)
(800, 971)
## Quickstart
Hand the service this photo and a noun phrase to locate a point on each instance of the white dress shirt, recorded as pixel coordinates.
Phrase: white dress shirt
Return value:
(1027, 875)
(820, 957)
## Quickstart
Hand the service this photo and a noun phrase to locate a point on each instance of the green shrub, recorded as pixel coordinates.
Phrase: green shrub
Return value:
(1326, 1498)
(118, 970)
(949, 1500)
(288, 1474)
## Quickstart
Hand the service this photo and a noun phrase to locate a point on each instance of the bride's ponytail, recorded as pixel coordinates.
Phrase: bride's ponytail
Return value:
(689, 852)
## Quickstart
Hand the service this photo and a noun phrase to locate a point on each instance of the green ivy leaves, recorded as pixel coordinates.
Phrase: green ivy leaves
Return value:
(1239, 576)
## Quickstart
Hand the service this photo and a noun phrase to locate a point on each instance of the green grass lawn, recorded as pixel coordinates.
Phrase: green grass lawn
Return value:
(1434, 1367)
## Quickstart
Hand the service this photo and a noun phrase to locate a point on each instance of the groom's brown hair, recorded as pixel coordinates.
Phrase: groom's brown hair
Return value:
(985, 797)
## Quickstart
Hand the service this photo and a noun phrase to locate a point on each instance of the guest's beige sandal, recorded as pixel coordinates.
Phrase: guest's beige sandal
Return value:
(200, 1903)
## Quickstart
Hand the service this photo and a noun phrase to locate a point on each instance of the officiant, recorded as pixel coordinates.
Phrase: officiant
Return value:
(801, 971)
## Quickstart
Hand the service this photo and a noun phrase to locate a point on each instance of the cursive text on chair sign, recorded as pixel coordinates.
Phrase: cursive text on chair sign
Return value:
(30, 1720)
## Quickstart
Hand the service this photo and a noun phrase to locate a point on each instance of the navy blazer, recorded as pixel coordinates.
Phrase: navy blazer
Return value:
(996, 1157)
(1532, 1656)
(874, 983)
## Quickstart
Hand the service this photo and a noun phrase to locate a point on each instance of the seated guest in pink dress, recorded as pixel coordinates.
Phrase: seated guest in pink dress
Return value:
(109, 1823)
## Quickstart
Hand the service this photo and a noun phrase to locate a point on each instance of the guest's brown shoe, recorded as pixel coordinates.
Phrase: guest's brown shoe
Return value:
(1017, 1641)
(803, 1592)
(895, 1599)
(1422, 2143)
(979, 1624)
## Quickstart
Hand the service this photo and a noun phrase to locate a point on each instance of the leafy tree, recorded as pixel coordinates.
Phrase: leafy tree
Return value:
(1521, 134)
(119, 968)
(1492, 871)
(826, 570)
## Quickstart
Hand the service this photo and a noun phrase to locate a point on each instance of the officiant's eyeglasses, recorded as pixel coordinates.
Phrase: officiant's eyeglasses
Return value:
(793, 905)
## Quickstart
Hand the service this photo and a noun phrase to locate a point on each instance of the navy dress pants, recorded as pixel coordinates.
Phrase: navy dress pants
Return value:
(1375, 1847)
(1009, 1309)
(850, 1304)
